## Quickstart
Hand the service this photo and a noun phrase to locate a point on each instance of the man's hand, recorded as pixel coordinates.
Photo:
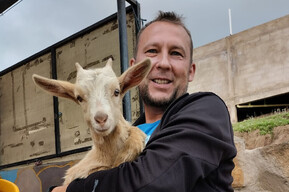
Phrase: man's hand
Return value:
(60, 189)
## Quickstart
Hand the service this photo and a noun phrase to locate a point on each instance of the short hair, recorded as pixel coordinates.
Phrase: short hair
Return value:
(170, 17)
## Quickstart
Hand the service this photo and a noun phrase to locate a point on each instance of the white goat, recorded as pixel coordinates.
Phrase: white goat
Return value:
(99, 92)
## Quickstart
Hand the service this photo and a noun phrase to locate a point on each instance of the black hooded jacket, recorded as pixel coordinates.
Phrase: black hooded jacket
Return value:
(192, 149)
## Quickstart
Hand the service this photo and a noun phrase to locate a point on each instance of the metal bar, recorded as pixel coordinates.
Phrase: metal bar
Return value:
(265, 105)
(132, 2)
(138, 25)
(136, 10)
(121, 17)
(55, 104)
(230, 22)
(5, 6)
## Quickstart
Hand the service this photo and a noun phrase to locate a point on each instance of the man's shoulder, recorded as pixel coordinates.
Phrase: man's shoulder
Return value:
(198, 95)
(202, 97)
(197, 104)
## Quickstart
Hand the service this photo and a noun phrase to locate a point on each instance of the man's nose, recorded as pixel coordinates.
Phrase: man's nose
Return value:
(164, 62)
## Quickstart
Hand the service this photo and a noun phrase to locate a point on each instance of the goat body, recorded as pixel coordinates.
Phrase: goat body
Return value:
(99, 93)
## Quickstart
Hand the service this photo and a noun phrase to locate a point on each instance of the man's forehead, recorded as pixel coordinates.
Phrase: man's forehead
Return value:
(157, 31)
(160, 25)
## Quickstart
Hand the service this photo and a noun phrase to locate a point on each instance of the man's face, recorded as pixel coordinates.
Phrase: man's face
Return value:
(168, 47)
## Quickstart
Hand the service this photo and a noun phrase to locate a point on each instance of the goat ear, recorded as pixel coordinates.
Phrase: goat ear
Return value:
(134, 75)
(55, 87)
(109, 63)
(78, 67)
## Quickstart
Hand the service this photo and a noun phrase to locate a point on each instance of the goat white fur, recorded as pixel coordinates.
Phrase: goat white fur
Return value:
(99, 92)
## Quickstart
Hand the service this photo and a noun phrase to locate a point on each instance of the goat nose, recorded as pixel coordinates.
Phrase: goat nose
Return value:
(100, 118)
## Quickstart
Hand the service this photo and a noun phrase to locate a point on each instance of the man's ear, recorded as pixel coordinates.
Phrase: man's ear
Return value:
(134, 75)
(131, 62)
(55, 87)
(192, 71)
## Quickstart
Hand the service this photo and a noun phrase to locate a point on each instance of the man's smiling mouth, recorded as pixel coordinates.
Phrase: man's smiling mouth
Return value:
(161, 81)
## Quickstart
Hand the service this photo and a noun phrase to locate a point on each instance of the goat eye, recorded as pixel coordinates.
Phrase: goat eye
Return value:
(116, 92)
(79, 98)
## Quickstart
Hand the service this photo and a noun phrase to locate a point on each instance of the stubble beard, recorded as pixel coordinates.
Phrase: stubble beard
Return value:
(158, 103)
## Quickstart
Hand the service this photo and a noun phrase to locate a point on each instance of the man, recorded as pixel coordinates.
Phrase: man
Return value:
(191, 145)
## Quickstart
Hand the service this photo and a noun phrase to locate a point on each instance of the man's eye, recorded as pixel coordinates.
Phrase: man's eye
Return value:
(80, 99)
(176, 53)
(151, 51)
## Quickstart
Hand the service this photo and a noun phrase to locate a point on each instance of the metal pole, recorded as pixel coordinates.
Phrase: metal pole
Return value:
(138, 25)
(55, 104)
(230, 22)
(121, 16)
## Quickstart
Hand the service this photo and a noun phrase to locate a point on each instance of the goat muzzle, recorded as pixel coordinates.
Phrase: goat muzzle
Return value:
(100, 118)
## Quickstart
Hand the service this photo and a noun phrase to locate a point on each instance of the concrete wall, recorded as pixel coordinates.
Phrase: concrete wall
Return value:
(247, 66)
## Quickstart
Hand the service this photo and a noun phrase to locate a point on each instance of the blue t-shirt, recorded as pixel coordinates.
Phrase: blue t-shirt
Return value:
(148, 128)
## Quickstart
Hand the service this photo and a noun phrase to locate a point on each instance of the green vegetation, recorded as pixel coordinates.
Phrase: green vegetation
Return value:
(264, 124)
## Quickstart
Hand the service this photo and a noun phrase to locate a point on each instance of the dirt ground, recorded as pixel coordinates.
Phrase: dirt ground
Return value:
(254, 139)
(264, 161)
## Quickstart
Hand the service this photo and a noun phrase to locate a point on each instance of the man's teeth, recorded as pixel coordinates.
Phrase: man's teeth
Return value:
(161, 81)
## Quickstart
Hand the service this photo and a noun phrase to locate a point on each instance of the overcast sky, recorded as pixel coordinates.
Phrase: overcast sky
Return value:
(33, 25)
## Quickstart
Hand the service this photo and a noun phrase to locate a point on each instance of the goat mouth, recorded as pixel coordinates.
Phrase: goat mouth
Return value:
(101, 129)
(104, 130)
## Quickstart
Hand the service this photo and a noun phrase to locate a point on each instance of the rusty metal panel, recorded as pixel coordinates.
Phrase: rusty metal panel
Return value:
(26, 119)
(90, 50)
(27, 129)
